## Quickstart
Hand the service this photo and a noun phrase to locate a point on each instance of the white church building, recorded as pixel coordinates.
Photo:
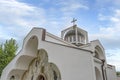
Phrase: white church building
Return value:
(45, 56)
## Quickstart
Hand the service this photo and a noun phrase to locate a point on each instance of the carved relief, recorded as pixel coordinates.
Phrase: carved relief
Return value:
(41, 69)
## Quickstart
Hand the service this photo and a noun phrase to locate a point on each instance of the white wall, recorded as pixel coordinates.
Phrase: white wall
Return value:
(74, 64)
(111, 74)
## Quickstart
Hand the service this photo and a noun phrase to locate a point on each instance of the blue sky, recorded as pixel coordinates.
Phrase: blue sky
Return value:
(101, 18)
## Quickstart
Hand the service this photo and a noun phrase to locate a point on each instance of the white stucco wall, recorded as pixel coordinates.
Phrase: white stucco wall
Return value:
(74, 64)
(111, 74)
(98, 69)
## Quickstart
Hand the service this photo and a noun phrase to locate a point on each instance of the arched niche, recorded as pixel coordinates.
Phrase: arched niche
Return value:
(41, 77)
(14, 74)
(30, 52)
(31, 46)
(98, 74)
(55, 71)
(12, 77)
(41, 69)
(23, 62)
(99, 53)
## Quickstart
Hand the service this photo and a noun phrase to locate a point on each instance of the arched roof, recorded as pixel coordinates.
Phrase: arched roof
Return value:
(98, 49)
(99, 52)
(72, 32)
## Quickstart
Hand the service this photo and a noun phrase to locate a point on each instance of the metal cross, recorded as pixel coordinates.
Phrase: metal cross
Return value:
(73, 21)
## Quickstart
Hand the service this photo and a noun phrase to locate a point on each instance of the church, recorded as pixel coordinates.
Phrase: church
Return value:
(45, 56)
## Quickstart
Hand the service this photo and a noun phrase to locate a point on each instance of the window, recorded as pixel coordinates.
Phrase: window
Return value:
(74, 37)
(70, 38)
(66, 38)
(82, 39)
(78, 38)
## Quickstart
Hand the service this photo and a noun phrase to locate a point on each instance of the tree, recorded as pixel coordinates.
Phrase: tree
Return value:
(118, 73)
(7, 53)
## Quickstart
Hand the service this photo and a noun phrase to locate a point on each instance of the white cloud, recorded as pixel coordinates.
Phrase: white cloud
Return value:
(73, 7)
(70, 7)
(102, 17)
(15, 12)
(16, 18)
(103, 3)
(110, 37)
(110, 34)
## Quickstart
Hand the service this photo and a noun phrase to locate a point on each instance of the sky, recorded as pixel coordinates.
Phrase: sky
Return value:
(100, 18)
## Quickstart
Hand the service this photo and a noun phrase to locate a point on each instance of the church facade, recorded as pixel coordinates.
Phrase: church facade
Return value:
(45, 56)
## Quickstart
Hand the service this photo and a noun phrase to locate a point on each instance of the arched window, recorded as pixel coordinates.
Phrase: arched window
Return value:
(66, 38)
(74, 38)
(82, 39)
(70, 38)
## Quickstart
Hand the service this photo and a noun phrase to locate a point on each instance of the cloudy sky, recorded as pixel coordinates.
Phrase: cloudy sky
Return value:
(101, 18)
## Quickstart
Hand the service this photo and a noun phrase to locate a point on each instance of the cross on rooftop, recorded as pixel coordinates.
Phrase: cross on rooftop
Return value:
(73, 21)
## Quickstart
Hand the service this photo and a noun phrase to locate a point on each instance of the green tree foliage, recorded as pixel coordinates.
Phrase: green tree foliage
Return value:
(7, 53)
(118, 73)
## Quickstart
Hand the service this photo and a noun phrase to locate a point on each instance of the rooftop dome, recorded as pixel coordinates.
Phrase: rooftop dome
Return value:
(75, 35)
